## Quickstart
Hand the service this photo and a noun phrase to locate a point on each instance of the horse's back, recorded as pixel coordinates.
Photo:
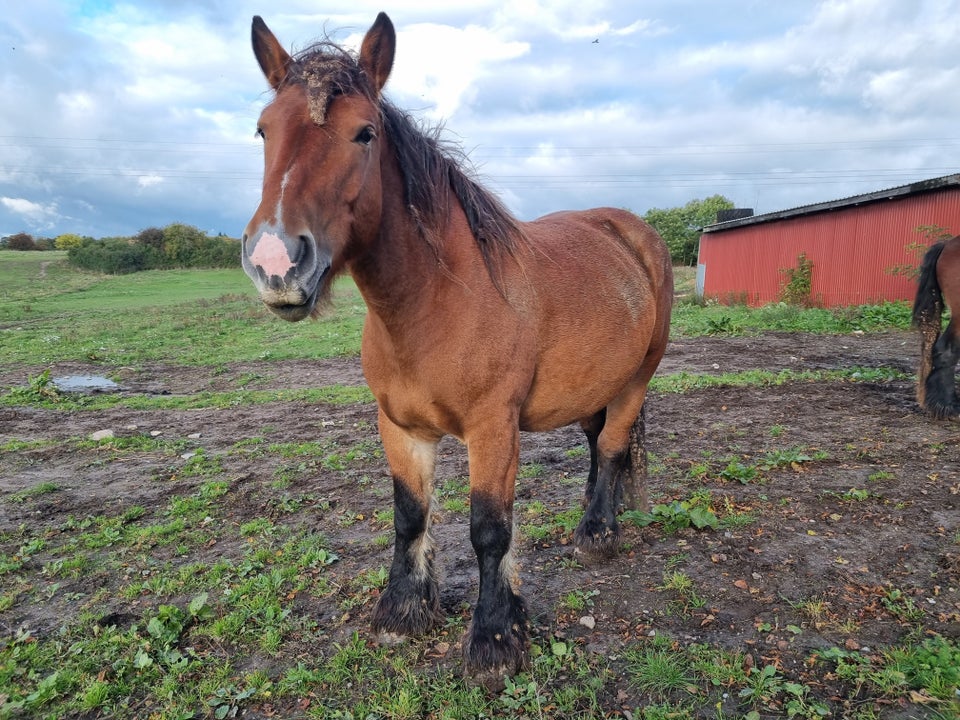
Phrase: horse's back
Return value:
(607, 242)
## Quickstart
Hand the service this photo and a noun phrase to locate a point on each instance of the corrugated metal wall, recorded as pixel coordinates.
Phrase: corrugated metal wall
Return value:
(851, 249)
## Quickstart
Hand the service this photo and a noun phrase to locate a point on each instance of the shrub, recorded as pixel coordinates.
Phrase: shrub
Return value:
(21, 241)
(796, 289)
(67, 241)
(177, 245)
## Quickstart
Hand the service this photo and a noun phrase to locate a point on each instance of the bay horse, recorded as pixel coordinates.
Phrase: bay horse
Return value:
(478, 325)
(939, 285)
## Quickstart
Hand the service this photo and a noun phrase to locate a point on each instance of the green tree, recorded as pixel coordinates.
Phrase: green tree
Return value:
(67, 241)
(181, 244)
(680, 226)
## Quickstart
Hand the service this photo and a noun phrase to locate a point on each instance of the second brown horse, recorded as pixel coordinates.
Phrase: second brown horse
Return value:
(478, 325)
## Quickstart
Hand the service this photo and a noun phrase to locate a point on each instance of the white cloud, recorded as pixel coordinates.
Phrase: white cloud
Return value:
(137, 114)
(439, 65)
(145, 181)
(40, 216)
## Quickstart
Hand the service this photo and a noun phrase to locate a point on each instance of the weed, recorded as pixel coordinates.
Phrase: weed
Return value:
(659, 669)
(530, 470)
(681, 586)
(796, 288)
(579, 600)
(677, 515)
(40, 389)
(902, 606)
(763, 685)
(44, 488)
(736, 470)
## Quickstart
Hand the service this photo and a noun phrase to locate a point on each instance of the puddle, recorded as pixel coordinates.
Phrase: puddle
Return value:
(84, 384)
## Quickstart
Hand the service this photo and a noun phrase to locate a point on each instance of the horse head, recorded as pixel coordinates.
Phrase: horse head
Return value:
(321, 196)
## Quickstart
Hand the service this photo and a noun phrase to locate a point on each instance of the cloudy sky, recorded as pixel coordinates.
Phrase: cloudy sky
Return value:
(119, 116)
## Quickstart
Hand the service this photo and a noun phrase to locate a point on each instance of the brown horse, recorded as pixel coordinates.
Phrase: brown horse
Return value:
(478, 325)
(939, 284)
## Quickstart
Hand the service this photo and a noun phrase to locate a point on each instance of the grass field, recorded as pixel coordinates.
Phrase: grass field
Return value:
(192, 605)
(50, 312)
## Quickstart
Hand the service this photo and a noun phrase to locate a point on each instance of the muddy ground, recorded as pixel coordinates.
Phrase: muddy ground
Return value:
(810, 538)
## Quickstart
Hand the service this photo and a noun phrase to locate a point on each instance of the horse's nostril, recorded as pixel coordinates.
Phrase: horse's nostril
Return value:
(304, 247)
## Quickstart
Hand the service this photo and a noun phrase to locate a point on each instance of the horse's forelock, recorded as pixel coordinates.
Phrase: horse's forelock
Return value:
(432, 170)
(327, 70)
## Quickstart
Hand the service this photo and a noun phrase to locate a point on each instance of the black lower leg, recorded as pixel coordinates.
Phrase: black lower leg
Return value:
(410, 603)
(599, 532)
(591, 429)
(941, 385)
(496, 643)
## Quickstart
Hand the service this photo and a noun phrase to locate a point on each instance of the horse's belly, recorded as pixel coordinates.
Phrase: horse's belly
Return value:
(565, 393)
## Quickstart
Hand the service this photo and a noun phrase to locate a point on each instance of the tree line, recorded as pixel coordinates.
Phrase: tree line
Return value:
(179, 245)
(174, 246)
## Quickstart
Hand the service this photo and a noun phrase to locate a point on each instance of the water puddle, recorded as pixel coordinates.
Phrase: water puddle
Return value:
(84, 384)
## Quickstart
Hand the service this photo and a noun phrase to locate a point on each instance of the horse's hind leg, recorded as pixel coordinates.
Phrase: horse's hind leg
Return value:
(598, 533)
(410, 603)
(941, 385)
(591, 428)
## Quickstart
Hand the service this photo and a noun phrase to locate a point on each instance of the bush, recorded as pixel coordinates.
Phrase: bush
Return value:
(116, 256)
(21, 241)
(67, 241)
(176, 246)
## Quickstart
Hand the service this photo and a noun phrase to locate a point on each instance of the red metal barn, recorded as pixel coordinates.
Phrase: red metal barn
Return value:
(852, 244)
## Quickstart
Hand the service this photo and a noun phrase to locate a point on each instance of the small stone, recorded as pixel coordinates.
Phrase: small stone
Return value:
(101, 435)
(156, 433)
(588, 622)
(194, 436)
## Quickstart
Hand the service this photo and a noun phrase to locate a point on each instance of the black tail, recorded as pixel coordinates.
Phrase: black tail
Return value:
(928, 305)
(936, 386)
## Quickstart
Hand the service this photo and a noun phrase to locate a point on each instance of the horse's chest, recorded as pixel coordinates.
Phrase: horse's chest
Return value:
(414, 396)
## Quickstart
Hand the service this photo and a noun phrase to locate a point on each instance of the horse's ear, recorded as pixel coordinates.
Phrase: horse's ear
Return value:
(273, 59)
(377, 50)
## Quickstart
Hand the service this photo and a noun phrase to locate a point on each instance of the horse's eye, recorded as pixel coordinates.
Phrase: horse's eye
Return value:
(260, 134)
(366, 135)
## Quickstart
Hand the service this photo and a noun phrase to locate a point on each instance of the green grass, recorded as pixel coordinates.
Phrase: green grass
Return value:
(690, 319)
(199, 317)
(191, 317)
(178, 638)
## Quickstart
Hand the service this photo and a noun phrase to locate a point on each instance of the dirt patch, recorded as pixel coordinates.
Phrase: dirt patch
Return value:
(863, 520)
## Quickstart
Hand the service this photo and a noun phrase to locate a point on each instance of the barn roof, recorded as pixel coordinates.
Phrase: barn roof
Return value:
(893, 193)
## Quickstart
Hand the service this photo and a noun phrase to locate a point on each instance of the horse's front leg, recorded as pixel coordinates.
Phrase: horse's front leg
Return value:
(410, 603)
(496, 642)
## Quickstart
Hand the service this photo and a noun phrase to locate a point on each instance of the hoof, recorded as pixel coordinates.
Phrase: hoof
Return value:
(399, 615)
(596, 540)
(489, 661)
